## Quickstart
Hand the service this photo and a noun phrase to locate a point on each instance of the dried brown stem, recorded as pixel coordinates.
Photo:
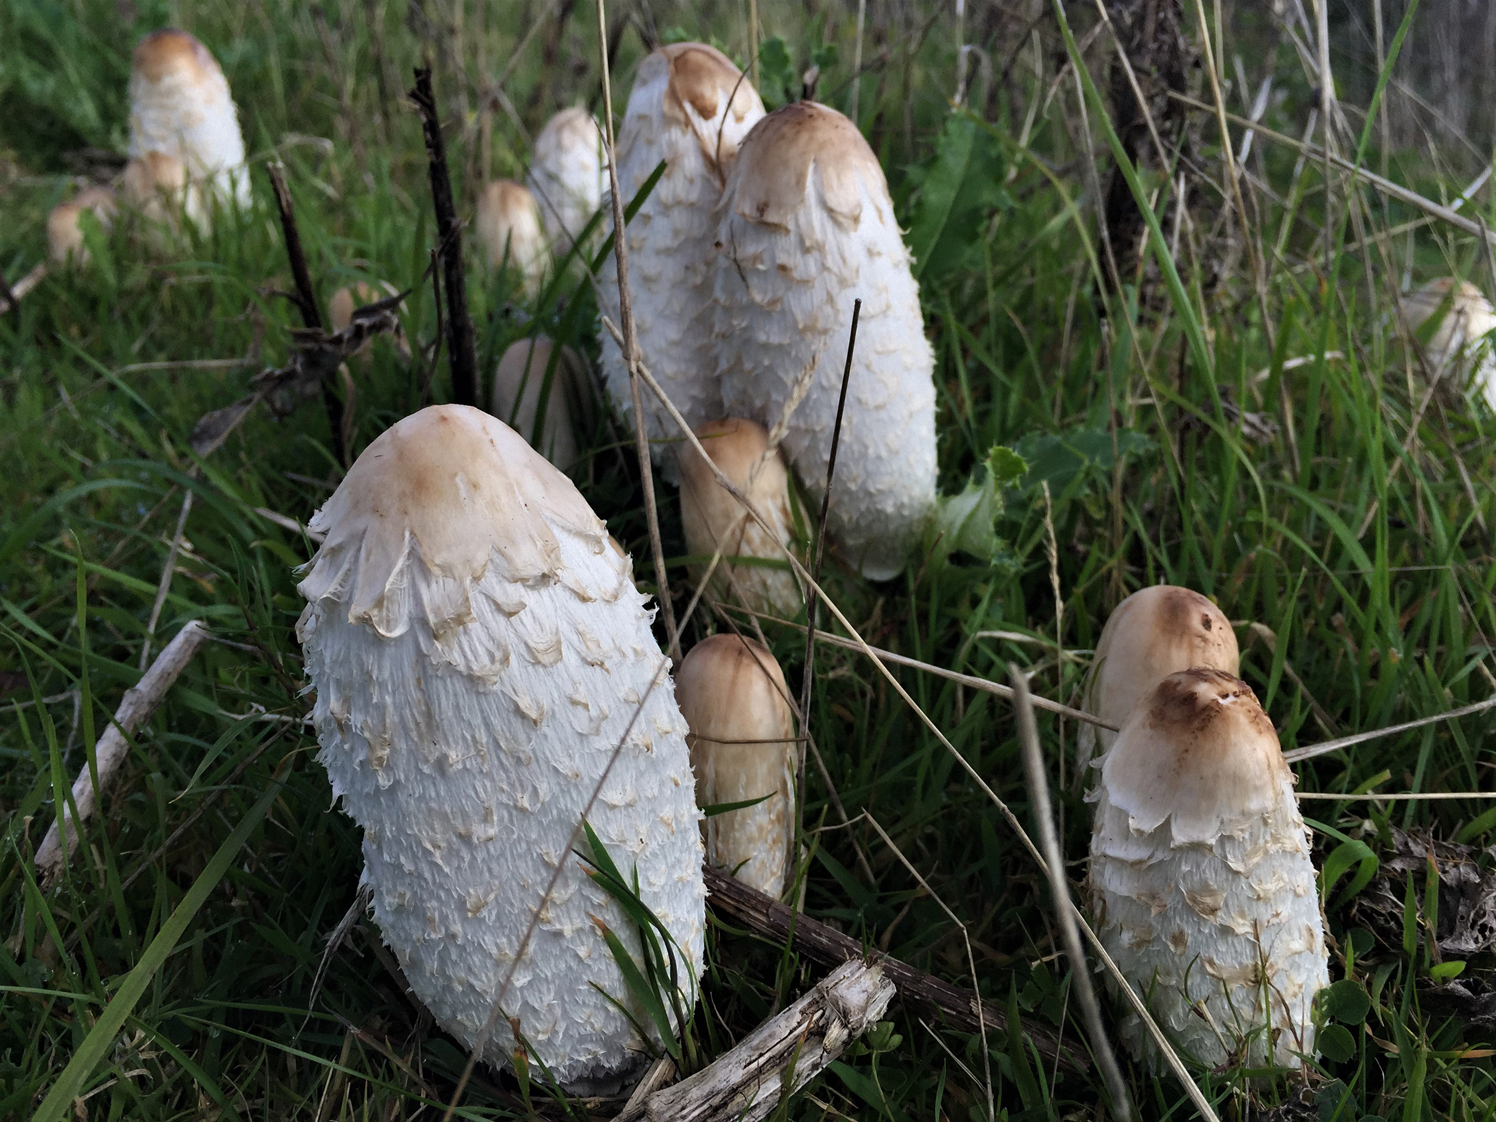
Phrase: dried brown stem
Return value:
(461, 346)
(921, 991)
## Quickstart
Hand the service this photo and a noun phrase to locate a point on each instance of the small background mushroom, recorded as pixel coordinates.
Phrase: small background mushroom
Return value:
(520, 378)
(180, 107)
(807, 227)
(732, 694)
(1200, 878)
(1459, 346)
(65, 240)
(568, 175)
(713, 519)
(509, 230)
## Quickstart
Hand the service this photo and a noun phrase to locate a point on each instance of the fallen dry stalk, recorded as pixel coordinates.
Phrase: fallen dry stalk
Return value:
(780, 1056)
(10, 297)
(921, 991)
(134, 710)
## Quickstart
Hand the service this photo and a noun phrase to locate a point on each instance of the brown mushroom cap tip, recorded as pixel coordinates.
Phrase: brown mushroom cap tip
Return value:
(776, 158)
(1200, 752)
(172, 51)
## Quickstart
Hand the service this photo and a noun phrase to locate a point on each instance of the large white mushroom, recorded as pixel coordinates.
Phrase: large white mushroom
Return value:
(807, 227)
(568, 175)
(691, 107)
(65, 240)
(510, 233)
(1201, 883)
(732, 694)
(713, 519)
(1459, 346)
(1153, 633)
(180, 107)
(478, 653)
(518, 381)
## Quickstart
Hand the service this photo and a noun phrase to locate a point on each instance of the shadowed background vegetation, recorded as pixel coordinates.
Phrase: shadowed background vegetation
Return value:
(1348, 544)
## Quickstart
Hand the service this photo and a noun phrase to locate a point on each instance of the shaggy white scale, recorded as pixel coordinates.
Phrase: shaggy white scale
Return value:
(478, 651)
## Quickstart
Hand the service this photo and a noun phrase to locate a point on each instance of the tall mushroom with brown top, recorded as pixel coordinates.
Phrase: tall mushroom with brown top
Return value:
(732, 694)
(483, 664)
(509, 231)
(1200, 878)
(714, 520)
(181, 108)
(808, 227)
(1153, 633)
(568, 175)
(690, 107)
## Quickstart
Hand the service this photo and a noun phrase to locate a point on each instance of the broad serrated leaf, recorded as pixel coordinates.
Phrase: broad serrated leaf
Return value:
(958, 190)
(967, 523)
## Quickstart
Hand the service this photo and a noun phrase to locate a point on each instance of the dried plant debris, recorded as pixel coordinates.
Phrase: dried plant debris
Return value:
(1466, 920)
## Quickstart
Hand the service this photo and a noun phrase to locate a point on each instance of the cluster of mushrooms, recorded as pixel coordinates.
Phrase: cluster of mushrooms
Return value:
(485, 674)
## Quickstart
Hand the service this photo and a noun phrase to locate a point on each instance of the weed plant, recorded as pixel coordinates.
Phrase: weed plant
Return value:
(181, 962)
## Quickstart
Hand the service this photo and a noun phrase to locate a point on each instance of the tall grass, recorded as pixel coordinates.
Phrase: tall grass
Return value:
(1352, 551)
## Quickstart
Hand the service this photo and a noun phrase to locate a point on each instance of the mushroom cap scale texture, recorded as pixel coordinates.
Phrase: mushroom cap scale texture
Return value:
(711, 517)
(1201, 882)
(1458, 345)
(1155, 632)
(478, 651)
(807, 226)
(691, 107)
(733, 696)
(180, 106)
(509, 229)
(568, 174)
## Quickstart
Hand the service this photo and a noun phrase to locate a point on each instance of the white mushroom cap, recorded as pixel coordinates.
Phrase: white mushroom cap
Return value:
(180, 106)
(712, 518)
(1458, 345)
(1201, 880)
(691, 107)
(1153, 633)
(508, 227)
(479, 653)
(568, 174)
(65, 235)
(517, 382)
(808, 226)
(732, 694)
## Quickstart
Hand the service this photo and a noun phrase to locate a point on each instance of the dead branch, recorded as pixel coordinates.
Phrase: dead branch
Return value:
(780, 1056)
(134, 710)
(11, 294)
(461, 348)
(922, 992)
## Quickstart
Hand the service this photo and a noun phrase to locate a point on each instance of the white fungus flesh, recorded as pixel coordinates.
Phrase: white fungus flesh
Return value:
(807, 227)
(1201, 882)
(180, 107)
(1153, 633)
(1459, 346)
(518, 382)
(732, 693)
(65, 240)
(510, 234)
(568, 175)
(713, 519)
(478, 651)
(690, 107)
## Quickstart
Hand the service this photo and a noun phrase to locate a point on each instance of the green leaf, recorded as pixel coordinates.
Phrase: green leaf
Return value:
(1347, 1001)
(1446, 970)
(959, 189)
(1339, 862)
(644, 993)
(968, 522)
(1336, 1043)
(776, 73)
(100, 1038)
(714, 809)
(1058, 458)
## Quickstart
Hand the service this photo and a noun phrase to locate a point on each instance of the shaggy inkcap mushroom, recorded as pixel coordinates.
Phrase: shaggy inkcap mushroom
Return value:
(180, 107)
(1458, 345)
(518, 381)
(691, 107)
(732, 694)
(65, 234)
(807, 227)
(713, 519)
(509, 231)
(478, 651)
(1155, 632)
(1200, 880)
(568, 175)
(155, 186)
